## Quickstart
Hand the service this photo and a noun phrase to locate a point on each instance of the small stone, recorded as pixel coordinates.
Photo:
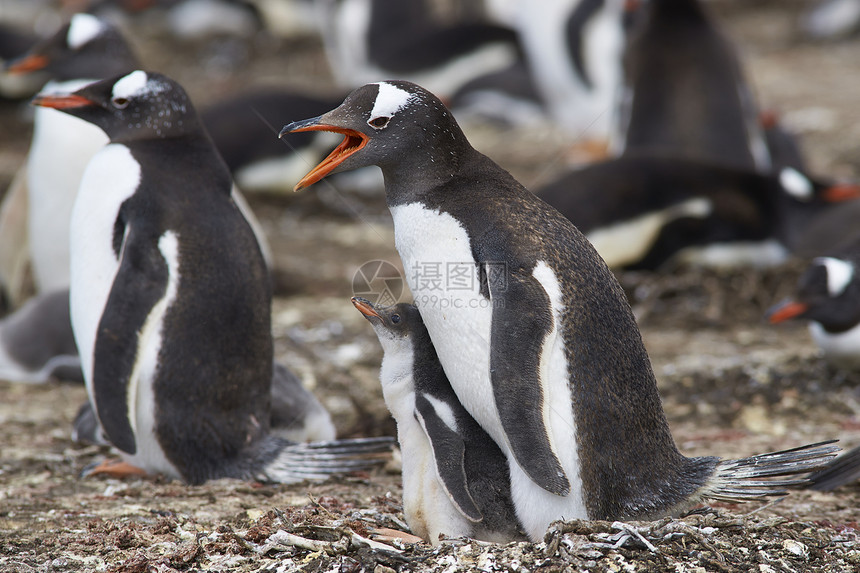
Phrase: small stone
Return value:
(796, 548)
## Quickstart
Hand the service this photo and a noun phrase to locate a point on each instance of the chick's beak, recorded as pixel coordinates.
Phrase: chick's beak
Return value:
(365, 307)
(353, 142)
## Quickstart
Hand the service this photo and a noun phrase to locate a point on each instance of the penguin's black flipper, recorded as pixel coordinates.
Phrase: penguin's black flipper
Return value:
(842, 470)
(449, 452)
(522, 319)
(317, 461)
(140, 283)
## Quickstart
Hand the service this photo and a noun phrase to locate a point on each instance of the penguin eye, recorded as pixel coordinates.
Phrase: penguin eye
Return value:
(395, 318)
(120, 102)
(379, 122)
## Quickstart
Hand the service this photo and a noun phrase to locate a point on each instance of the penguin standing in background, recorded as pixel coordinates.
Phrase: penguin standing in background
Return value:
(642, 210)
(84, 50)
(369, 39)
(684, 90)
(532, 329)
(574, 50)
(455, 478)
(828, 295)
(170, 297)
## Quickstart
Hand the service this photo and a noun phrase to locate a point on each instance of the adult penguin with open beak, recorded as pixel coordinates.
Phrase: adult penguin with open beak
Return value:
(532, 329)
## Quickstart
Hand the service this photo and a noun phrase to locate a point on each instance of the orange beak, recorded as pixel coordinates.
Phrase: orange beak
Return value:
(353, 142)
(786, 311)
(364, 307)
(61, 101)
(841, 192)
(28, 64)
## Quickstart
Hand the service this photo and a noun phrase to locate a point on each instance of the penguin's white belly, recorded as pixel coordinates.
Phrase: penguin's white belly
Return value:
(436, 253)
(112, 177)
(62, 147)
(842, 349)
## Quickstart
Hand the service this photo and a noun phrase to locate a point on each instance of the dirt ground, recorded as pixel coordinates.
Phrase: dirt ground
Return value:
(732, 385)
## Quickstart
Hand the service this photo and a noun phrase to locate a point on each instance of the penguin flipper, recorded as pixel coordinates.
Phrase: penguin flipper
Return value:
(140, 283)
(449, 454)
(522, 319)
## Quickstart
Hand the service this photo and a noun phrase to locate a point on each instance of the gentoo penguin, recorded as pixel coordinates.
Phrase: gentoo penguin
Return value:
(455, 478)
(370, 39)
(641, 210)
(574, 50)
(684, 90)
(828, 295)
(82, 51)
(532, 329)
(170, 298)
(840, 471)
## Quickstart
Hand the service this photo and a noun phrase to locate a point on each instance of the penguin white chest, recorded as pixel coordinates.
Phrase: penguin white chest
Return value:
(112, 177)
(441, 272)
(443, 277)
(62, 147)
(841, 349)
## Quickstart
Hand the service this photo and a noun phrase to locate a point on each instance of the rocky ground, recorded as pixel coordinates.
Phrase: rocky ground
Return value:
(732, 385)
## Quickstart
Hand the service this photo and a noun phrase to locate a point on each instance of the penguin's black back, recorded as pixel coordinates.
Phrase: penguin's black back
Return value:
(215, 364)
(630, 466)
(744, 205)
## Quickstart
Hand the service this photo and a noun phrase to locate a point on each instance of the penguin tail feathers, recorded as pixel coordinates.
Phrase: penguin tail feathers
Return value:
(318, 461)
(842, 470)
(752, 478)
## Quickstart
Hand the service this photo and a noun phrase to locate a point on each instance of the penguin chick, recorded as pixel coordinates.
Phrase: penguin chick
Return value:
(828, 295)
(532, 329)
(170, 298)
(455, 478)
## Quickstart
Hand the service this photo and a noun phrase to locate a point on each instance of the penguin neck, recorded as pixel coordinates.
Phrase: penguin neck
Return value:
(428, 166)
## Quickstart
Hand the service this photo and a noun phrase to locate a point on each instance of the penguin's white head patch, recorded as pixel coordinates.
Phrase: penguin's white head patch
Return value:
(131, 85)
(797, 185)
(389, 100)
(839, 274)
(82, 29)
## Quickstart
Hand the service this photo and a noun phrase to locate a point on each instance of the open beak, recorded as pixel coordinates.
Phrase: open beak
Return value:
(27, 64)
(353, 142)
(365, 307)
(841, 192)
(61, 101)
(786, 310)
